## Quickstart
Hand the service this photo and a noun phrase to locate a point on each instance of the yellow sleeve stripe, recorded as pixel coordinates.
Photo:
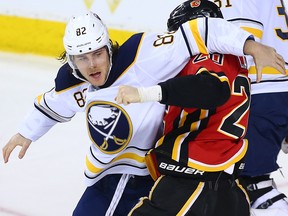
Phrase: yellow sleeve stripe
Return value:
(39, 98)
(199, 41)
(221, 78)
(256, 32)
(202, 69)
(265, 70)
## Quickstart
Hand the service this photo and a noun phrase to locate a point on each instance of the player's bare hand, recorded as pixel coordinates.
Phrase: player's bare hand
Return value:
(16, 140)
(127, 95)
(264, 56)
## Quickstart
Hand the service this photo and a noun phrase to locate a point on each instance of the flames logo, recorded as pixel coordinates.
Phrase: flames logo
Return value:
(109, 126)
(195, 3)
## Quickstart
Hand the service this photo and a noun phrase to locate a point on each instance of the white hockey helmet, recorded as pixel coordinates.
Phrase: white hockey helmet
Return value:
(85, 33)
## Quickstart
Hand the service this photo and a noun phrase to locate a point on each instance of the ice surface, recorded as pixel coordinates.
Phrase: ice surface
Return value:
(48, 181)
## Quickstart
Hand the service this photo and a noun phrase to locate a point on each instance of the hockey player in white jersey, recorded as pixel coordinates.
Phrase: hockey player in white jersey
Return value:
(268, 121)
(116, 174)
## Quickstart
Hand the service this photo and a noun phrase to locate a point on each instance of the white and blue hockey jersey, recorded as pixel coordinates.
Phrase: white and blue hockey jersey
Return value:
(268, 22)
(121, 135)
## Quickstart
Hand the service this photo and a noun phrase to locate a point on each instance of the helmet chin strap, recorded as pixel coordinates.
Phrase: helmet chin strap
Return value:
(110, 61)
(75, 74)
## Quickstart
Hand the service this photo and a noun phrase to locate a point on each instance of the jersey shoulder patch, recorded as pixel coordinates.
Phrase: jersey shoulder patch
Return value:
(125, 56)
(65, 79)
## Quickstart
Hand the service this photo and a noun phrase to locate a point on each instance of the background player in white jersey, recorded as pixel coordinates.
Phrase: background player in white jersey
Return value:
(116, 174)
(268, 121)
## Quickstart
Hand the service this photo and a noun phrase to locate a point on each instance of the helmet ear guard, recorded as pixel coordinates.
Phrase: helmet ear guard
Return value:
(192, 9)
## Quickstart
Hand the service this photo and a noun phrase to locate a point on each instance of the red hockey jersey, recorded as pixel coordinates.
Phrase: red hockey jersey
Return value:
(208, 139)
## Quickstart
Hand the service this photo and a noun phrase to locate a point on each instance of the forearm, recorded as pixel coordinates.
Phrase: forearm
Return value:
(251, 47)
(217, 35)
(227, 38)
(201, 91)
(35, 125)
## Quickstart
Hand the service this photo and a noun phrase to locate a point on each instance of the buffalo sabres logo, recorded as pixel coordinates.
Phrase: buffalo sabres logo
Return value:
(109, 126)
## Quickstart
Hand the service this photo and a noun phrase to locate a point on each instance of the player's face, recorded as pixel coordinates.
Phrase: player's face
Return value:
(94, 66)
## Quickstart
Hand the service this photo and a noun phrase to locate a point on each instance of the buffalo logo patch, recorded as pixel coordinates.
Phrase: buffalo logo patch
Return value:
(109, 126)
